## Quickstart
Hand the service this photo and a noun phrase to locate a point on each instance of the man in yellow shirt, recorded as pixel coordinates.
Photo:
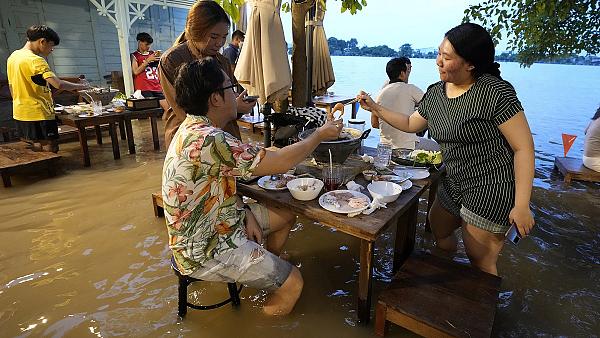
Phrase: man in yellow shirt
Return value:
(29, 77)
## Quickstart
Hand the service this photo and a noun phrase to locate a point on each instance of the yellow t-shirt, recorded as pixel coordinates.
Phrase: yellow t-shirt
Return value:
(27, 74)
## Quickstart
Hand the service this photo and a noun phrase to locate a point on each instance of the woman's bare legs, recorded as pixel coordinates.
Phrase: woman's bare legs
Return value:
(443, 226)
(482, 247)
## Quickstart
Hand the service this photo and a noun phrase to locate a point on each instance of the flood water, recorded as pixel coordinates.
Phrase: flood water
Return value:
(82, 255)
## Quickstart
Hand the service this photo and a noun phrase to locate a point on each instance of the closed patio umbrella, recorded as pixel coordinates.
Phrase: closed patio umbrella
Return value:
(263, 68)
(322, 69)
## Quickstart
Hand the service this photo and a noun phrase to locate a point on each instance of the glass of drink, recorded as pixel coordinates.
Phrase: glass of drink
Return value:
(332, 177)
(384, 155)
(96, 107)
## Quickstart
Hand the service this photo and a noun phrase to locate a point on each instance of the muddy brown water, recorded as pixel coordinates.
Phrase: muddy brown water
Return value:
(82, 255)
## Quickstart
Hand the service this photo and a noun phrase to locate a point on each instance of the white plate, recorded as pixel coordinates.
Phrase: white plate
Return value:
(416, 174)
(406, 185)
(86, 115)
(344, 208)
(266, 183)
(59, 109)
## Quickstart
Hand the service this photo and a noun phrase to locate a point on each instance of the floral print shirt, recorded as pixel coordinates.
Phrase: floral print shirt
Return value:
(199, 191)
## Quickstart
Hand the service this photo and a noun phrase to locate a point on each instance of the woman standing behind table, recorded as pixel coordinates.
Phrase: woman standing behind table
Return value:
(591, 148)
(486, 144)
(206, 30)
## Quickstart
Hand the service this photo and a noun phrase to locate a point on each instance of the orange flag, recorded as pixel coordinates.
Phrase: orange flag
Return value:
(568, 142)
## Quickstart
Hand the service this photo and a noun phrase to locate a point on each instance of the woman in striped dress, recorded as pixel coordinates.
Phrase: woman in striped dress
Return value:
(486, 145)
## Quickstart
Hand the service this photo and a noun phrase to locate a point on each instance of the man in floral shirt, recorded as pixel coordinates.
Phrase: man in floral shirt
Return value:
(214, 236)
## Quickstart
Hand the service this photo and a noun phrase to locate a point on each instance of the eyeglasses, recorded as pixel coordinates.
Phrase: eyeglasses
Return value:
(232, 86)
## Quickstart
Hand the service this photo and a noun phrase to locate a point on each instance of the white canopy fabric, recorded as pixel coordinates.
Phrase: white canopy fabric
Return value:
(263, 68)
(322, 69)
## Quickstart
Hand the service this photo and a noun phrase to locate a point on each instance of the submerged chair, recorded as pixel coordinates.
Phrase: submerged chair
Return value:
(182, 299)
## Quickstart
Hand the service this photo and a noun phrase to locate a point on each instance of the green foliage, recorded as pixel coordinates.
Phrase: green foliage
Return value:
(353, 6)
(232, 8)
(541, 30)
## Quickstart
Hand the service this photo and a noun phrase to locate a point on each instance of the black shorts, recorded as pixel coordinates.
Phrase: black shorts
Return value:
(149, 93)
(38, 130)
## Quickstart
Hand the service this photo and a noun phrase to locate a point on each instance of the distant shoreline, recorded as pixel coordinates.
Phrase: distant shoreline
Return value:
(339, 47)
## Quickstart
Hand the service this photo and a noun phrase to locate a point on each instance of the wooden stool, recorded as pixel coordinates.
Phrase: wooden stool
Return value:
(573, 169)
(185, 281)
(435, 297)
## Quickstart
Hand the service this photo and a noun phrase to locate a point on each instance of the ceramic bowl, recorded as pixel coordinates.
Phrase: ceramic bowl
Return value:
(305, 188)
(384, 191)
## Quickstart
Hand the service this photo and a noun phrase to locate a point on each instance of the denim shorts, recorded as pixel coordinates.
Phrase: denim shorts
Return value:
(250, 263)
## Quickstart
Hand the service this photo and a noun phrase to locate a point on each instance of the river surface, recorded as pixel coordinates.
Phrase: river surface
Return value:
(82, 254)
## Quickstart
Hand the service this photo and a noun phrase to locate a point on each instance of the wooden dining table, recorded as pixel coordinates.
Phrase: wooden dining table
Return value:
(401, 213)
(111, 119)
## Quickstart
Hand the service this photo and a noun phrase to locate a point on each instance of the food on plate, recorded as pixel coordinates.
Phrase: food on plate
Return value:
(369, 174)
(342, 196)
(331, 200)
(357, 202)
(426, 156)
(344, 200)
(119, 109)
(278, 181)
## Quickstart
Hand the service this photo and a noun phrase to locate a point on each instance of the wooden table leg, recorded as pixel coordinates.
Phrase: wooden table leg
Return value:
(98, 134)
(122, 130)
(355, 109)
(84, 146)
(365, 281)
(432, 193)
(114, 139)
(6, 179)
(154, 132)
(130, 141)
(406, 231)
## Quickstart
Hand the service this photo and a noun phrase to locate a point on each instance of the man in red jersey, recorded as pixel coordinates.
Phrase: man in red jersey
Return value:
(144, 64)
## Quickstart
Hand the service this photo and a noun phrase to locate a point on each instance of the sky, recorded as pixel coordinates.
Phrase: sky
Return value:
(421, 23)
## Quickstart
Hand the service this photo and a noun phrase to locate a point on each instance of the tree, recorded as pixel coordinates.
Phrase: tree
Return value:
(541, 29)
(232, 7)
(406, 50)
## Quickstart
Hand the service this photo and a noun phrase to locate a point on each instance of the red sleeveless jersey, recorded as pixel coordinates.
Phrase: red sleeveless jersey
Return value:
(148, 78)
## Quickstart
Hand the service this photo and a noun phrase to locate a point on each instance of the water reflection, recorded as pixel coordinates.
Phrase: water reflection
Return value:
(83, 255)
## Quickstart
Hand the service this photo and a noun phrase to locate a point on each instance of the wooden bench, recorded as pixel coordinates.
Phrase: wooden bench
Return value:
(573, 169)
(16, 156)
(436, 297)
(157, 204)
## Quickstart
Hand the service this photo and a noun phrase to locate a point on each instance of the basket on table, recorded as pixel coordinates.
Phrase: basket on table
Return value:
(104, 95)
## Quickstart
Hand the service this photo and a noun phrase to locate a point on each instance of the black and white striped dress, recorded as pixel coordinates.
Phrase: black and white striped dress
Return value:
(480, 183)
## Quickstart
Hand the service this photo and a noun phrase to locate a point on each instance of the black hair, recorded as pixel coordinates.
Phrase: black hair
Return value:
(144, 37)
(37, 32)
(396, 66)
(597, 115)
(195, 82)
(474, 44)
(238, 34)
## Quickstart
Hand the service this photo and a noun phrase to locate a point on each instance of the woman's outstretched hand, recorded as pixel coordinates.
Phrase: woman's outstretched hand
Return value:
(366, 102)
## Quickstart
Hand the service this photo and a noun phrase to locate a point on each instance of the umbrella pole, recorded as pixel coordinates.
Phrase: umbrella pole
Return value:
(310, 28)
(266, 111)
